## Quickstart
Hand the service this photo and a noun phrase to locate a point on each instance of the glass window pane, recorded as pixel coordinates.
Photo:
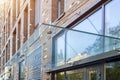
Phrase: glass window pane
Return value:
(75, 75)
(34, 65)
(59, 49)
(112, 18)
(93, 75)
(60, 76)
(77, 44)
(113, 71)
(92, 23)
(81, 45)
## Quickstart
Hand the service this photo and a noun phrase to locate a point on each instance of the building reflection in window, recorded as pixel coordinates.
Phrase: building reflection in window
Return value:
(75, 75)
(112, 18)
(93, 75)
(60, 50)
(59, 76)
(70, 75)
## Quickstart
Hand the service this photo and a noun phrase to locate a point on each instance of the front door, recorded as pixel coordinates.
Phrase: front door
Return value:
(95, 73)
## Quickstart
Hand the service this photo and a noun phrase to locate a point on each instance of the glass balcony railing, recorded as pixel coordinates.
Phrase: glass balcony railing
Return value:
(71, 45)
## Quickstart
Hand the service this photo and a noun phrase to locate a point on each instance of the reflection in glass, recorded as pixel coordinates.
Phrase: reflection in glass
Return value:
(60, 49)
(75, 75)
(70, 75)
(113, 71)
(60, 76)
(78, 45)
(112, 18)
(73, 45)
(112, 22)
(92, 24)
(86, 38)
(92, 75)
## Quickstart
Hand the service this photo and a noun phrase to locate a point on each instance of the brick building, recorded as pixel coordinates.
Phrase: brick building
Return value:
(60, 40)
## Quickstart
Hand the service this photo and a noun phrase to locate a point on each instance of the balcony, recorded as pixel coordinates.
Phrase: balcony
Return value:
(72, 47)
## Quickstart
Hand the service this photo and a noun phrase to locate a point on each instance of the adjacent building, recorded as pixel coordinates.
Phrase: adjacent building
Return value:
(60, 40)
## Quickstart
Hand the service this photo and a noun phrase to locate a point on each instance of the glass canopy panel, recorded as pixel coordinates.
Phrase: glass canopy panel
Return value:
(71, 45)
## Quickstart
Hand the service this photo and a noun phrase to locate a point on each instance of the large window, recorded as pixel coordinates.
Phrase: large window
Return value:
(112, 22)
(59, 76)
(92, 23)
(112, 18)
(78, 46)
(113, 71)
(75, 75)
(70, 75)
(60, 49)
(84, 48)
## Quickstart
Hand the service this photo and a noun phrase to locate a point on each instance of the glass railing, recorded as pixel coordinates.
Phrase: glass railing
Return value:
(71, 45)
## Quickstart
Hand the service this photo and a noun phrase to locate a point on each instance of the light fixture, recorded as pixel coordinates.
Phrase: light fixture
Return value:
(50, 30)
